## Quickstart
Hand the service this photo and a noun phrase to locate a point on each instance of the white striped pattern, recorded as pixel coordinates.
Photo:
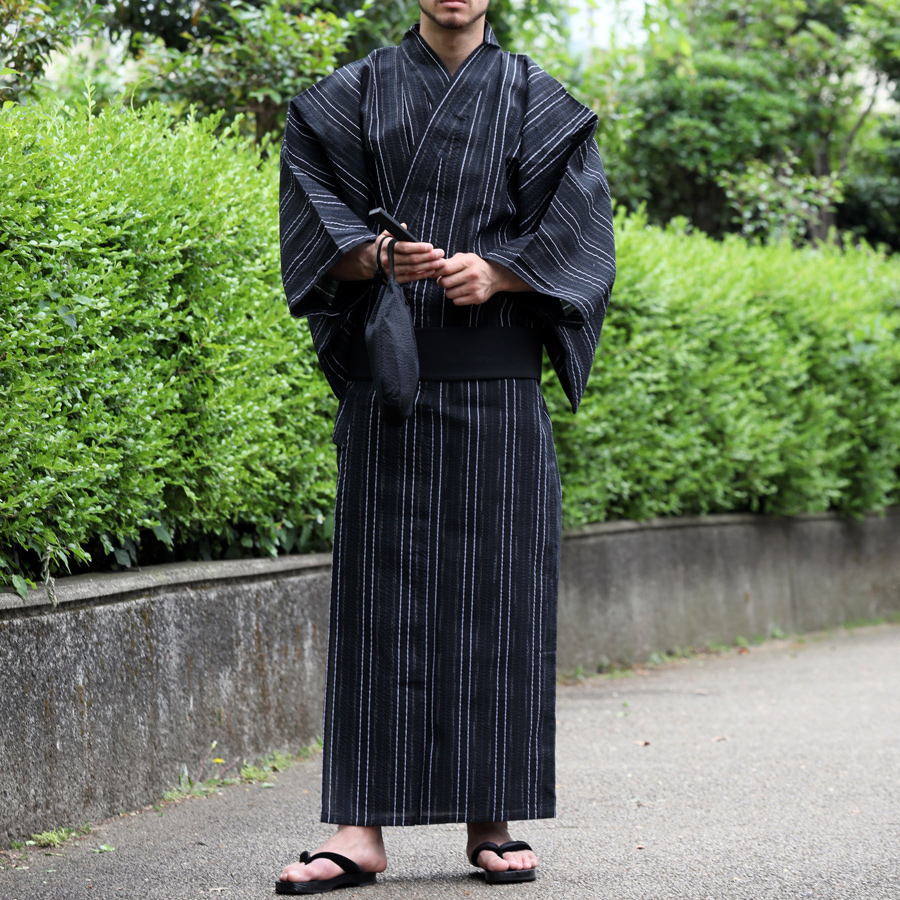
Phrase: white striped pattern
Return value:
(543, 210)
(441, 669)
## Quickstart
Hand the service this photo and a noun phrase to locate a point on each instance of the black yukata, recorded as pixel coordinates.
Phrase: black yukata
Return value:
(442, 655)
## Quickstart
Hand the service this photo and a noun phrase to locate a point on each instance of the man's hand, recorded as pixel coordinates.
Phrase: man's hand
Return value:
(467, 279)
(412, 261)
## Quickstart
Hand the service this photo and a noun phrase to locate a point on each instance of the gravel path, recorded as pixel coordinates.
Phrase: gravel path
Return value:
(768, 773)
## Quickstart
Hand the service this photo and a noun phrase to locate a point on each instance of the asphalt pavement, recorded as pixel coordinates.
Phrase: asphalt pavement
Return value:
(773, 772)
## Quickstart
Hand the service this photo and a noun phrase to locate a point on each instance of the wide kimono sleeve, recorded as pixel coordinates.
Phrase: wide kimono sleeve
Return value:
(565, 249)
(323, 194)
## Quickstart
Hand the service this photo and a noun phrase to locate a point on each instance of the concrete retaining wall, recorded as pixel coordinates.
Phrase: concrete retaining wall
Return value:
(628, 589)
(107, 698)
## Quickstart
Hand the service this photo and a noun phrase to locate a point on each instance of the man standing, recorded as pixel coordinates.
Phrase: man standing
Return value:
(441, 669)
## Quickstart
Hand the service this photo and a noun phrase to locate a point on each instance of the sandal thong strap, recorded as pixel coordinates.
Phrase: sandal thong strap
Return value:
(346, 864)
(513, 846)
(487, 845)
(508, 847)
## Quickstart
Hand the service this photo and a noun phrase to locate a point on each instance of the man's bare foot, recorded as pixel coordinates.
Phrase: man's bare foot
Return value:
(363, 845)
(498, 833)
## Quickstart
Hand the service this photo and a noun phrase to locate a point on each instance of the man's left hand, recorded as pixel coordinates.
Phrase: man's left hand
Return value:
(467, 279)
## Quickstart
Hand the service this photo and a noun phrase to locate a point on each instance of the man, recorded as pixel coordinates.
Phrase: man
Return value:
(441, 670)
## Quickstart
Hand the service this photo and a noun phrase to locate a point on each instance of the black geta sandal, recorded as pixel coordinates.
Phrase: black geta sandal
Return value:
(353, 876)
(510, 875)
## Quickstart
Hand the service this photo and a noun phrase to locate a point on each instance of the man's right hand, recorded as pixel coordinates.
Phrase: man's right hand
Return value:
(412, 261)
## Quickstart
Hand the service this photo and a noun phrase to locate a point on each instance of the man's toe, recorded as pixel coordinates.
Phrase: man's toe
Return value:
(317, 870)
(292, 872)
(492, 862)
(522, 860)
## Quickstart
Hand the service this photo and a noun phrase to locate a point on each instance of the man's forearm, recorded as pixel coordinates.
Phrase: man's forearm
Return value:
(507, 281)
(357, 264)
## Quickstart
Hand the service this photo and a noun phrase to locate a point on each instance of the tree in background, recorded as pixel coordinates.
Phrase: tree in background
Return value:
(250, 60)
(723, 96)
(249, 57)
(174, 22)
(702, 115)
(29, 33)
(871, 204)
(253, 57)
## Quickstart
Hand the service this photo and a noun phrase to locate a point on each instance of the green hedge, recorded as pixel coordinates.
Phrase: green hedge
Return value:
(150, 377)
(156, 393)
(737, 378)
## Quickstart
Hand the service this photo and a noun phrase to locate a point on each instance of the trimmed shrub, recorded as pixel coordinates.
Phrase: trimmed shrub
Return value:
(150, 377)
(158, 399)
(737, 378)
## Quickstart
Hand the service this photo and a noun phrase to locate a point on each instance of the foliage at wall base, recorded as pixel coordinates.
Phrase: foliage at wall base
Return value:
(149, 374)
(737, 378)
(160, 403)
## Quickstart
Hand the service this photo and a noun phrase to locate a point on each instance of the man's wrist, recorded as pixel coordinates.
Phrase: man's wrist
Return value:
(357, 264)
(370, 259)
(496, 274)
(503, 280)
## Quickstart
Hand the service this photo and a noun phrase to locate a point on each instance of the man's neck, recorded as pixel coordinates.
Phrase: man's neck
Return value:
(453, 46)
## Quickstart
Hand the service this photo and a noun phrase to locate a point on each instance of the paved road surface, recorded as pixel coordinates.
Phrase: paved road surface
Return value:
(773, 773)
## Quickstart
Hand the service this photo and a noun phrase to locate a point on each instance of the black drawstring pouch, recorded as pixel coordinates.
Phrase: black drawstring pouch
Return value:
(391, 344)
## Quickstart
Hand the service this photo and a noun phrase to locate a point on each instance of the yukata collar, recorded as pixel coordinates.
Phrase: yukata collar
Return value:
(412, 34)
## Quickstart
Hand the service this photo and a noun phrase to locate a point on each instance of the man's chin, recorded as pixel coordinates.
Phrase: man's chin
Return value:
(453, 19)
(454, 23)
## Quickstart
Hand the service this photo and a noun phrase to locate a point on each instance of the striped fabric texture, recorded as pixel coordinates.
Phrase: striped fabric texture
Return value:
(518, 179)
(442, 650)
(441, 670)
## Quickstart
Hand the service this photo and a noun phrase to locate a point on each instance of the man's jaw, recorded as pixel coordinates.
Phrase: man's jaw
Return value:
(450, 14)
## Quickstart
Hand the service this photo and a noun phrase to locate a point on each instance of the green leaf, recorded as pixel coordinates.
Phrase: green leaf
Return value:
(123, 557)
(21, 586)
(67, 317)
(163, 533)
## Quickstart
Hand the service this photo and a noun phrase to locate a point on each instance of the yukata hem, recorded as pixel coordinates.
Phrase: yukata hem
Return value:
(509, 815)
